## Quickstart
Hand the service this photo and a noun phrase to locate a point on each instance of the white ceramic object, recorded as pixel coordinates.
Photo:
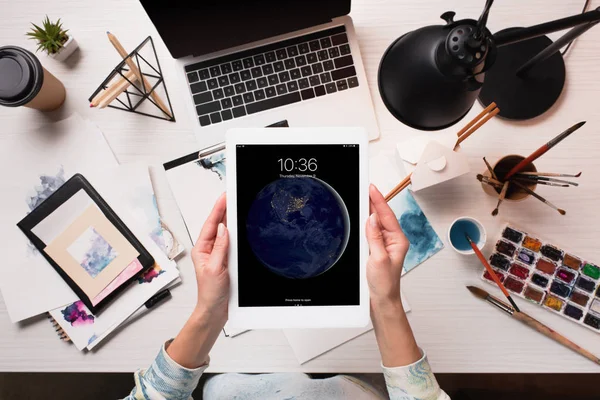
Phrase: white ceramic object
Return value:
(68, 48)
(438, 164)
(482, 235)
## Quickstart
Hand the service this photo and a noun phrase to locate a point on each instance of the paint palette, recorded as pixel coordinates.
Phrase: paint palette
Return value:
(547, 275)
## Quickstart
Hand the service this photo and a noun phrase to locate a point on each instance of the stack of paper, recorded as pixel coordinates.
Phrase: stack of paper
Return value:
(39, 163)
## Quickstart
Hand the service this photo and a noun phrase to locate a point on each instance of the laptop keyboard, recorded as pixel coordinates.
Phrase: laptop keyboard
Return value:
(275, 75)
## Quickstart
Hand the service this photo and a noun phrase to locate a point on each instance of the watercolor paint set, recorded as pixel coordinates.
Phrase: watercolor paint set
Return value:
(547, 275)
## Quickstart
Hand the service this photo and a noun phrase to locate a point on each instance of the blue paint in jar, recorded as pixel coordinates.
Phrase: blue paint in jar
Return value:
(457, 234)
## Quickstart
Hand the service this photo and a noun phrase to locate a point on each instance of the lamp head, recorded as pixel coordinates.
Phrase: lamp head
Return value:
(429, 78)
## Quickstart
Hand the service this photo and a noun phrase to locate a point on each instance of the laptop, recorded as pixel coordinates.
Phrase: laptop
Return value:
(251, 63)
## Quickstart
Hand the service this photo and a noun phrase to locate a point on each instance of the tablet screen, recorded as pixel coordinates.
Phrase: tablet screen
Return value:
(298, 225)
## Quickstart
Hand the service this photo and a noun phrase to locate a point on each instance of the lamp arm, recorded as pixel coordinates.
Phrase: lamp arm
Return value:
(555, 47)
(481, 24)
(521, 34)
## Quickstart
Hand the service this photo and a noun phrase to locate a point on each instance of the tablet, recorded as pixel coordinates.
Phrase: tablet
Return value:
(297, 204)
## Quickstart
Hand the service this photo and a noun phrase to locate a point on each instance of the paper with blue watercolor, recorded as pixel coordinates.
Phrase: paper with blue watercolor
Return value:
(138, 194)
(424, 242)
(196, 186)
(92, 251)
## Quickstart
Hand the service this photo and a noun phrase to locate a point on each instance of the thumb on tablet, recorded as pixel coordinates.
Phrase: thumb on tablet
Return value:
(375, 238)
(218, 257)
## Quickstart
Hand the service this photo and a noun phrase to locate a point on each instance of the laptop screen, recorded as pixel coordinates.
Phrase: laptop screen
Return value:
(204, 26)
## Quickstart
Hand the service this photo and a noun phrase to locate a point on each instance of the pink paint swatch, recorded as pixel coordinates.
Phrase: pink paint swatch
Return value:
(133, 268)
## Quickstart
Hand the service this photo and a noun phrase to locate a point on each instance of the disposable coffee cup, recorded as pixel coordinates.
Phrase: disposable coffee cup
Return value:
(24, 82)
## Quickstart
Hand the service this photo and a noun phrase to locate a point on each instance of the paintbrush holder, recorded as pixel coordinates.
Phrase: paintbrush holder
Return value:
(501, 168)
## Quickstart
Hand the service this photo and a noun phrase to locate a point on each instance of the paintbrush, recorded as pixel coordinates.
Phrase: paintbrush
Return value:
(542, 150)
(532, 323)
(491, 271)
(500, 198)
(540, 198)
(551, 174)
(489, 181)
(539, 182)
(546, 179)
(498, 184)
(489, 167)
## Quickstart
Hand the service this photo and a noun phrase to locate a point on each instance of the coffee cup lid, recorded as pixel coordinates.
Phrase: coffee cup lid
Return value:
(21, 76)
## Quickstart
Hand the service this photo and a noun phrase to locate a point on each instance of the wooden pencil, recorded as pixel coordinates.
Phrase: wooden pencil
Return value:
(477, 126)
(474, 120)
(118, 80)
(114, 90)
(398, 188)
(102, 93)
(141, 78)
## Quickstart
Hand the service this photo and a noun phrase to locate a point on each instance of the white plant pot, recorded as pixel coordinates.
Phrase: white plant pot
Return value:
(68, 48)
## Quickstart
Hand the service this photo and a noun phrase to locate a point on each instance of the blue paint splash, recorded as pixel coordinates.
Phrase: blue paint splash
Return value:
(48, 185)
(98, 254)
(215, 163)
(92, 339)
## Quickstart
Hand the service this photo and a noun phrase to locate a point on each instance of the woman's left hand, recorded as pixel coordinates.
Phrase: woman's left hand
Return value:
(210, 262)
(195, 340)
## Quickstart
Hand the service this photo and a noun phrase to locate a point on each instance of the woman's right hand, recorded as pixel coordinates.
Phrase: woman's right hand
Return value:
(210, 262)
(388, 247)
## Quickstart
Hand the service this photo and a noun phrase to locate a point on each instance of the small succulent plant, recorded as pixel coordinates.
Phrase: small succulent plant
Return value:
(51, 37)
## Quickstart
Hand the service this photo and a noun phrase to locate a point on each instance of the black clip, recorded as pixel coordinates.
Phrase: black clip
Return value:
(448, 16)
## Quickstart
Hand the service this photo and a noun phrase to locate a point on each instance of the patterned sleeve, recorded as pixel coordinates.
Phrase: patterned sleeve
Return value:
(413, 382)
(165, 379)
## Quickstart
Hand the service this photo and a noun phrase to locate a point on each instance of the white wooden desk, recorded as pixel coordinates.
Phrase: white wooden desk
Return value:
(459, 332)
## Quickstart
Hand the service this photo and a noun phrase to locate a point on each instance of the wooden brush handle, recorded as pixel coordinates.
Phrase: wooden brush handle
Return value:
(534, 156)
(489, 269)
(399, 187)
(477, 118)
(544, 330)
(477, 126)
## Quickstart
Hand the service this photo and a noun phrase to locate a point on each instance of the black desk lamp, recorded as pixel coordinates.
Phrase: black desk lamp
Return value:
(429, 78)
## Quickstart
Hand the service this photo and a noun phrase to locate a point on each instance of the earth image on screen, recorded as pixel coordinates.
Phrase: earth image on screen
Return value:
(298, 227)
